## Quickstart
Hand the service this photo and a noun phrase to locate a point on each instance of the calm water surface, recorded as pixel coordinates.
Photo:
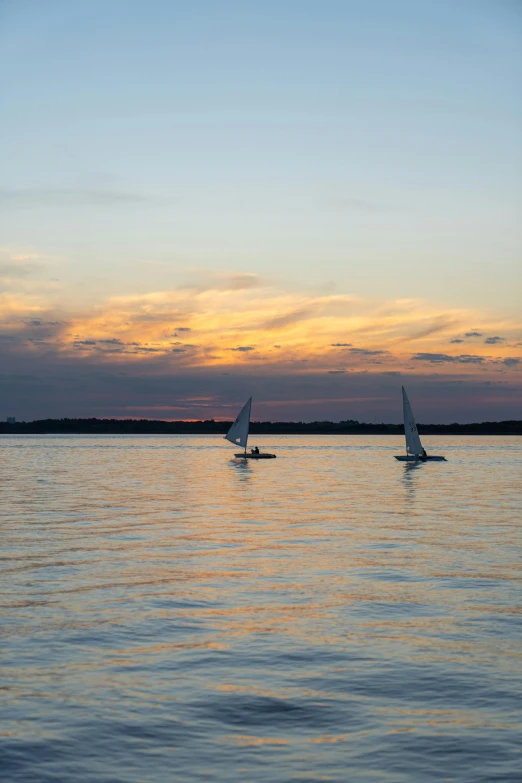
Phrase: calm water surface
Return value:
(171, 615)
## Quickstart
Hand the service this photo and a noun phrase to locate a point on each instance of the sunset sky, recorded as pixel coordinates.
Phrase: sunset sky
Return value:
(309, 202)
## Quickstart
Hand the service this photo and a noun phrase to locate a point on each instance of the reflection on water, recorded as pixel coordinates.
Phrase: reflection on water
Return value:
(409, 470)
(170, 613)
(243, 467)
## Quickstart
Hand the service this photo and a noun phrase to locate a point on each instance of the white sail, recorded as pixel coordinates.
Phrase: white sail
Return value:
(238, 433)
(413, 443)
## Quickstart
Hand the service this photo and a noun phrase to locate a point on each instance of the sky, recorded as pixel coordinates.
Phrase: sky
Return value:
(308, 202)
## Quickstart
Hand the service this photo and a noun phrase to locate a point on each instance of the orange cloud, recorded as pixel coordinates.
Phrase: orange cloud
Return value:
(242, 320)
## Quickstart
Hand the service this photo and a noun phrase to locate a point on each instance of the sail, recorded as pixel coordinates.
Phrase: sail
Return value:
(413, 444)
(238, 433)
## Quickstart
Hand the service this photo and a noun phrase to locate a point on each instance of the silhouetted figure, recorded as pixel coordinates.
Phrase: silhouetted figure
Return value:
(423, 456)
(255, 450)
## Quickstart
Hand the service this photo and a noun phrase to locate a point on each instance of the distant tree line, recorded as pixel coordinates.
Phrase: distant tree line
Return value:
(211, 427)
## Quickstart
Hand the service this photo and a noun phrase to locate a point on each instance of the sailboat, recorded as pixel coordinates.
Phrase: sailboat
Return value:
(238, 435)
(414, 449)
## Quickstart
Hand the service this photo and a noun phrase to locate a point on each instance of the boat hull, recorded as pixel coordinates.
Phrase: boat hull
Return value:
(429, 458)
(255, 456)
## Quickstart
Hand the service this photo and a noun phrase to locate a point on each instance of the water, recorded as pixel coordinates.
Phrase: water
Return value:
(171, 615)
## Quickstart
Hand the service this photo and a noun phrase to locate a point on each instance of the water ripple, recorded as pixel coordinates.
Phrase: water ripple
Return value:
(172, 614)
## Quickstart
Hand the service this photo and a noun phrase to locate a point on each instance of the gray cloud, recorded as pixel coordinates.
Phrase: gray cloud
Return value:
(97, 384)
(441, 358)
(366, 352)
(160, 317)
(341, 345)
(243, 348)
(456, 340)
(511, 361)
(36, 322)
(473, 334)
(116, 345)
(494, 340)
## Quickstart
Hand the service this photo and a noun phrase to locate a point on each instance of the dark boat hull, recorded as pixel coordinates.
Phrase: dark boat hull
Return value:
(417, 459)
(255, 456)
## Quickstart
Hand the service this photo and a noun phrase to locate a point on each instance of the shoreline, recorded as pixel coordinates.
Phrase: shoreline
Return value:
(155, 427)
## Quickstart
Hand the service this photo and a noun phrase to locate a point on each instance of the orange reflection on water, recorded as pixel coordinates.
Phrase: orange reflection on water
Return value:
(331, 590)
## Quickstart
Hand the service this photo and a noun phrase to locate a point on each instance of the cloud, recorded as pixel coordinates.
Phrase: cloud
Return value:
(133, 334)
(511, 361)
(17, 266)
(19, 271)
(441, 358)
(36, 322)
(289, 319)
(69, 197)
(255, 317)
(494, 340)
(358, 204)
(473, 334)
(55, 379)
(226, 281)
(438, 324)
(366, 352)
(241, 282)
(456, 340)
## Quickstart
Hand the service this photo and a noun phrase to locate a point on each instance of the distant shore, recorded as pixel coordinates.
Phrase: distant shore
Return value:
(211, 427)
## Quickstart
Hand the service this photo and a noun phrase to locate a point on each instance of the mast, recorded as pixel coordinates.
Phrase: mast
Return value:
(249, 404)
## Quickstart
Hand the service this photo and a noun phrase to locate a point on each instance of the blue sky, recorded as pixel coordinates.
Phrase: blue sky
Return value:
(367, 149)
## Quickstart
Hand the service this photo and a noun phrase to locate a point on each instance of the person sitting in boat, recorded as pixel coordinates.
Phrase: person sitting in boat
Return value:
(255, 450)
(423, 456)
